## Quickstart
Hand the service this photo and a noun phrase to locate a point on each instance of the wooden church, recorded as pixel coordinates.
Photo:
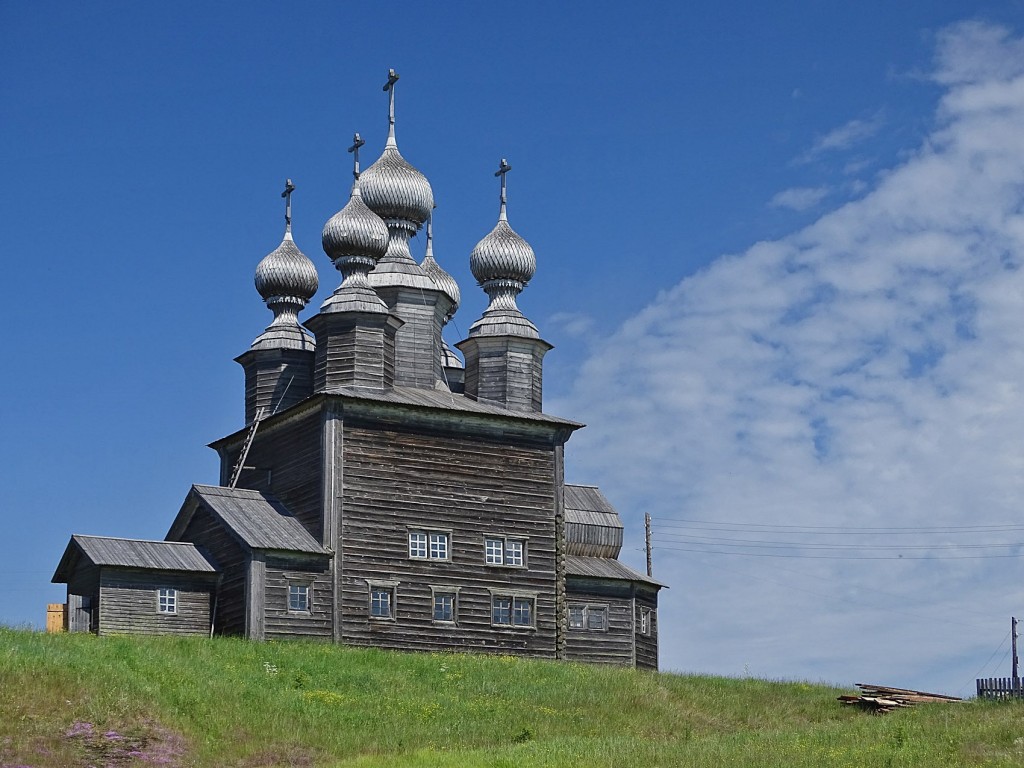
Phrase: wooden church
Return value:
(382, 492)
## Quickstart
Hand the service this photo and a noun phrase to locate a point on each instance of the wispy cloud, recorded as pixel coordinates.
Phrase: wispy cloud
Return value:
(799, 198)
(844, 137)
(865, 371)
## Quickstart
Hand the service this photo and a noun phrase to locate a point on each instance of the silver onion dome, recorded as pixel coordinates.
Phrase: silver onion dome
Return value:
(286, 275)
(391, 186)
(503, 255)
(444, 281)
(393, 189)
(355, 231)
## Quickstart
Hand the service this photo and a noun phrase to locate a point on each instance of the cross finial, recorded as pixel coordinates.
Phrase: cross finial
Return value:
(287, 195)
(357, 142)
(389, 86)
(503, 168)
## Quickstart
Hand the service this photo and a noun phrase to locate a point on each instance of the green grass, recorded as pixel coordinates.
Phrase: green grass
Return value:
(226, 702)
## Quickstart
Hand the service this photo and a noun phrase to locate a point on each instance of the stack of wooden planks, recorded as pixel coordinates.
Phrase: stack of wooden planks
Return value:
(881, 699)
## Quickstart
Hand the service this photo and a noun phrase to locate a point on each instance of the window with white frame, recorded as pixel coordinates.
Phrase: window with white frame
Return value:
(382, 601)
(507, 552)
(429, 545)
(167, 600)
(588, 617)
(444, 607)
(577, 616)
(645, 621)
(512, 611)
(298, 598)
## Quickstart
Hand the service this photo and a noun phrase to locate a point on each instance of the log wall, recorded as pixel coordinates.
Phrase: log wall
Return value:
(128, 603)
(395, 480)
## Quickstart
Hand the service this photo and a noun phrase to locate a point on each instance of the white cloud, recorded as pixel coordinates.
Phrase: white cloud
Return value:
(867, 370)
(799, 198)
(844, 137)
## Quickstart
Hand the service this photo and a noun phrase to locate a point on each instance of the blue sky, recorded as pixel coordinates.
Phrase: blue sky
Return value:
(778, 256)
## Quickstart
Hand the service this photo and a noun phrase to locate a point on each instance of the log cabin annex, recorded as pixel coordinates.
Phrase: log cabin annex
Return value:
(383, 492)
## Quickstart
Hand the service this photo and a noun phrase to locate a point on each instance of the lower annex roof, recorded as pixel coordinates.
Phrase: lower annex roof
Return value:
(132, 553)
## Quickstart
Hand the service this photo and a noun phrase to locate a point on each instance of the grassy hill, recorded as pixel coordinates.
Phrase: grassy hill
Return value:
(77, 700)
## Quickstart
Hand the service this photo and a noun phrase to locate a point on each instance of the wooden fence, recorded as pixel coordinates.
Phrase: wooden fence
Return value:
(1000, 688)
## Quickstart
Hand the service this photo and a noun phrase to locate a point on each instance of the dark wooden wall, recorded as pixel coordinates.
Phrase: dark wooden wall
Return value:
(279, 623)
(614, 645)
(647, 645)
(128, 602)
(83, 590)
(396, 479)
(229, 555)
(287, 461)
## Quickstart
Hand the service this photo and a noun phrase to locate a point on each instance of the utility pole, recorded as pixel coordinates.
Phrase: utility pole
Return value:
(647, 540)
(1013, 636)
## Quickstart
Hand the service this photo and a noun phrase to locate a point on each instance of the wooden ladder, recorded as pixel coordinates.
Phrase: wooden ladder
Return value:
(237, 471)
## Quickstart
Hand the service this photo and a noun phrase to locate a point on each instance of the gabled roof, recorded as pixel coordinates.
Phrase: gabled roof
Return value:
(256, 519)
(604, 568)
(131, 553)
(587, 505)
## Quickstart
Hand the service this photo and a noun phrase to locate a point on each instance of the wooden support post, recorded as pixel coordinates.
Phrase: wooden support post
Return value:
(647, 541)
(1013, 639)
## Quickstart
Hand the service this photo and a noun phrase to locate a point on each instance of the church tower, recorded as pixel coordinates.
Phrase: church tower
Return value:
(402, 197)
(504, 351)
(355, 330)
(279, 363)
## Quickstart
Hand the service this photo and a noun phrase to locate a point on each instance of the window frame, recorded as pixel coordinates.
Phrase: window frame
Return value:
(501, 559)
(390, 588)
(427, 545)
(587, 610)
(440, 592)
(645, 621)
(307, 595)
(167, 601)
(515, 601)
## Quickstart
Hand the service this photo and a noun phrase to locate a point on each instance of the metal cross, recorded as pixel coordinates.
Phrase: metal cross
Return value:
(389, 86)
(287, 195)
(357, 142)
(502, 170)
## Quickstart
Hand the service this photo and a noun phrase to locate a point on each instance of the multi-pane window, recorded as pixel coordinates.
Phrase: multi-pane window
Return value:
(439, 546)
(512, 611)
(432, 545)
(418, 545)
(591, 617)
(298, 598)
(444, 606)
(382, 600)
(167, 600)
(510, 552)
(577, 616)
(645, 621)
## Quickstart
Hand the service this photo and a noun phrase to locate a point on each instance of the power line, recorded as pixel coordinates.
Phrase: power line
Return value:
(837, 557)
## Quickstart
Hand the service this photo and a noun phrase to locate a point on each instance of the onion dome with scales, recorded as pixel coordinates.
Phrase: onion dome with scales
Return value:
(355, 238)
(503, 263)
(392, 187)
(286, 279)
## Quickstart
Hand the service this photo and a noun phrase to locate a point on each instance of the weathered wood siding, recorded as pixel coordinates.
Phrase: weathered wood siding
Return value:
(83, 598)
(280, 623)
(471, 486)
(276, 379)
(203, 530)
(286, 457)
(615, 645)
(647, 644)
(128, 603)
(357, 350)
(417, 351)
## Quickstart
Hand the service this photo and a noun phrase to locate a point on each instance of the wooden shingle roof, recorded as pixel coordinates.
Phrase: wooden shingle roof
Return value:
(256, 519)
(131, 553)
(604, 568)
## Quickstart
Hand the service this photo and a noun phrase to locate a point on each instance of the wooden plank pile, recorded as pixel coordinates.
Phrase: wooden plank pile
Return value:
(881, 699)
